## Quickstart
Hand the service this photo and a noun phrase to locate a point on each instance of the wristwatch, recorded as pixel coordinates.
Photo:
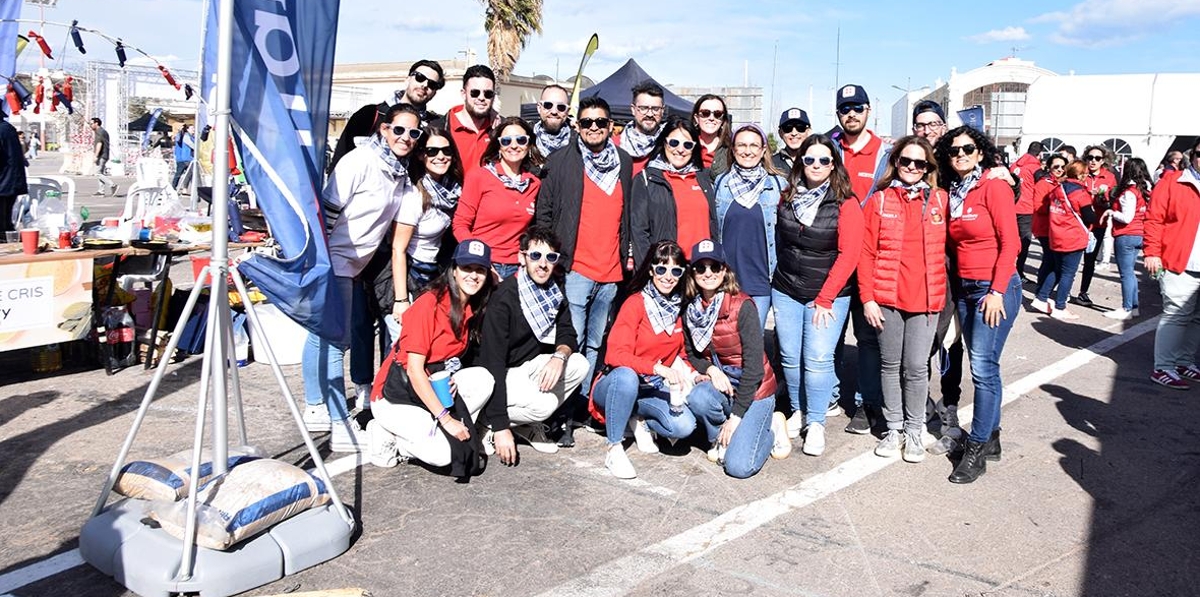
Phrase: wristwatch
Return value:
(560, 356)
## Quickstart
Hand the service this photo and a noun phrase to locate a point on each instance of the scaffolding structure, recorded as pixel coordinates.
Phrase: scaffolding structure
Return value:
(110, 88)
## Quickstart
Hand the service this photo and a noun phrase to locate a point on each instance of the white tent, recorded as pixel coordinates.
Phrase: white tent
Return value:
(1137, 115)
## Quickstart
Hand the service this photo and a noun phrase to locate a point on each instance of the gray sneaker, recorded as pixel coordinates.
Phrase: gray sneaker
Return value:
(914, 449)
(535, 435)
(950, 417)
(889, 446)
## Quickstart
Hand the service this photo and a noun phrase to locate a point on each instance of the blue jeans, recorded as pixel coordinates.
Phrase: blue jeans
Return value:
(617, 394)
(870, 360)
(1048, 270)
(591, 303)
(763, 303)
(505, 270)
(985, 344)
(1068, 266)
(322, 364)
(362, 334)
(802, 342)
(752, 440)
(1126, 248)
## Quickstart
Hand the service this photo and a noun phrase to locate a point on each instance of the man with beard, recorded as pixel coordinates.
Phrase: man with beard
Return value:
(471, 123)
(585, 199)
(551, 128)
(637, 138)
(528, 345)
(425, 78)
(794, 128)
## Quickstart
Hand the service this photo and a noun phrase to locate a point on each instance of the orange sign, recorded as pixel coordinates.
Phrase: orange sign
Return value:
(45, 302)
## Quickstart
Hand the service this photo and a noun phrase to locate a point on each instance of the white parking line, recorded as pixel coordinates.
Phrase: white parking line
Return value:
(39, 570)
(619, 576)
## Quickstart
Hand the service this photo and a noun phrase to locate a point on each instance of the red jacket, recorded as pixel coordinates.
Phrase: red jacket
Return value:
(1067, 231)
(1024, 169)
(632, 342)
(1099, 186)
(1042, 192)
(1136, 226)
(727, 344)
(899, 229)
(985, 238)
(1172, 220)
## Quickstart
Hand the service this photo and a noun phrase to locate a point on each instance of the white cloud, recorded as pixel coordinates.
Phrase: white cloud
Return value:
(1005, 34)
(1101, 23)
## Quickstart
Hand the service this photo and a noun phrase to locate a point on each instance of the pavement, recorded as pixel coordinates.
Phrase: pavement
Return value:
(1098, 493)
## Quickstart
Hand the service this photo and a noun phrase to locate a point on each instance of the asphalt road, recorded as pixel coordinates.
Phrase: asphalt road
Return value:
(1096, 495)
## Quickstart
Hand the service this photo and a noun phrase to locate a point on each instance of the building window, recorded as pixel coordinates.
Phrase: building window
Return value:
(1119, 147)
(1052, 145)
(1003, 109)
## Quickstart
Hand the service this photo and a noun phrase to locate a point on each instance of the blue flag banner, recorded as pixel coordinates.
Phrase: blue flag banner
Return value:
(10, 11)
(972, 117)
(281, 82)
(154, 116)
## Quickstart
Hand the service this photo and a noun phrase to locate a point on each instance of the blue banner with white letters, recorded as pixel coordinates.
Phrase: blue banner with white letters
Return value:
(282, 76)
(972, 117)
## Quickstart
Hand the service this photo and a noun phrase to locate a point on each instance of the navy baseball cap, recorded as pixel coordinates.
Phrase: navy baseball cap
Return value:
(708, 249)
(794, 114)
(473, 252)
(852, 94)
(924, 106)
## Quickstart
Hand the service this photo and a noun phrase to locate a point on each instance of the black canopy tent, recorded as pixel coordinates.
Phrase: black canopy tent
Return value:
(139, 125)
(616, 91)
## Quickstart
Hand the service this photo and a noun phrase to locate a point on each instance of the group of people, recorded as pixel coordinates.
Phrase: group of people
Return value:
(548, 265)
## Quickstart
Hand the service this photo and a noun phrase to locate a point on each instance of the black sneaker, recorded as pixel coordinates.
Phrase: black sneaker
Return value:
(1082, 300)
(859, 424)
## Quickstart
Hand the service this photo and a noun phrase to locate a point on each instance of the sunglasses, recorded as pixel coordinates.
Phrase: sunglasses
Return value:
(1058, 167)
(600, 123)
(551, 257)
(848, 108)
(487, 93)
(426, 81)
(704, 268)
(786, 128)
(675, 270)
(968, 149)
(904, 162)
(521, 140)
(718, 114)
(688, 145)
(413, 133)
(808, 160)
(433, 152)
(1095, 158)
(553, 107)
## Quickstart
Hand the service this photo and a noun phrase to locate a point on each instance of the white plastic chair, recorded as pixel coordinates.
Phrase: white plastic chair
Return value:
(142, 198)
(152, 171)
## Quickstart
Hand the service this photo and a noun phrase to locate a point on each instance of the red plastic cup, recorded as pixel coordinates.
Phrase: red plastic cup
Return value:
(30, 238)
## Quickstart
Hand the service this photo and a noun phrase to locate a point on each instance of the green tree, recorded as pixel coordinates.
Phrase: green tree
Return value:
(509, 24)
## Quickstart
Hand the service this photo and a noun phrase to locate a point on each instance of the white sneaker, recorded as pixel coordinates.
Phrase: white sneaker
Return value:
(782, 448)
(914, 448)
(835, 410)
(643, 436)
(381, 446)
(814, 440)
(1119, 314)
(1041, 306)
(889, 446)
(1135, 312)
(795, 424)
(1063, 315)
(617, 463)
(345, 436)
(535, 435)
(316, 418)
(716, 454)
(362, 395)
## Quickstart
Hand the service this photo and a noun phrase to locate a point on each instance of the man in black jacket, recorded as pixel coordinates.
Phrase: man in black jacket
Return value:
(585, 199)
(12, 173)
(425, 78)
(528, 345)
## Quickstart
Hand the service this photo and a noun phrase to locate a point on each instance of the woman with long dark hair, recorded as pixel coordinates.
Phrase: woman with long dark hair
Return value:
(1099, 182)
(819, 239)
(985, 239)
(498, 199)
(902, 284)
(1128, 222)
(410, 419)
(711, 117)
(1056, 169)
(725, 342)
(1070, 212)
(646, 376)
(673, 197)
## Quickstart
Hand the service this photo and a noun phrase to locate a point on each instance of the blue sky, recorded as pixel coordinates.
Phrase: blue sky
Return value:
(713, 42)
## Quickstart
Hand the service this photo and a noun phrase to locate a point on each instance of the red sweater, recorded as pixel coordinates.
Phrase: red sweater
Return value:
(903, 262)
(471, 144)
(425, 330)
(850, 240)
(691, 211)
(861, 165)
(1067, 234)
(985, 237)
(1042, 192)
(495, 214)
(1173, 219)
(1024, 169)
(632, 342)
(1136, 226)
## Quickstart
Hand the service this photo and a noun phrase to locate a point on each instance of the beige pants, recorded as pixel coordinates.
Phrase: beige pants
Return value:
(412, 424)
(527, 403)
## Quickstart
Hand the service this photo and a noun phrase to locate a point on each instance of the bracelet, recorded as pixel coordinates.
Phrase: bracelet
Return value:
(405, 301)
(445, 411)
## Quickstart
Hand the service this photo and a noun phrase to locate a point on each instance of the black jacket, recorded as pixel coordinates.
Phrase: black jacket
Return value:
(807, 253)
(560, 199)
(12, 163)
(364, 122)
(654, 216)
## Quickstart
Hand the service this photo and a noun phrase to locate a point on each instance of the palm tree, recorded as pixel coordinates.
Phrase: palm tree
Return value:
(509, 23)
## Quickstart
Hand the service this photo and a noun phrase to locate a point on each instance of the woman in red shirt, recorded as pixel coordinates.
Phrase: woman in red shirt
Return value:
(1056, 167)
(410, 418)
(1099, 182)
(646, 378)
(985, 240)
(902, 284)
(1128, 218)
(712, 118)
(498, 199)
(672, 198)
(1070, 212)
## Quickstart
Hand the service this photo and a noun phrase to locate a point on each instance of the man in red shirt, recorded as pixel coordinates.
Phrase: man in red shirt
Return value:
(585, 199)
(471, 123)
(1025, 169)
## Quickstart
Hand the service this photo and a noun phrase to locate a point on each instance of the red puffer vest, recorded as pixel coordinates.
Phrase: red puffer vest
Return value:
(1136, 226)
(891, 244)
(728, 344)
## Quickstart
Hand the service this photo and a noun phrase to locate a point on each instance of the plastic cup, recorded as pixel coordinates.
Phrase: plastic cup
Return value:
(441, 386)
(12, 236)
(30, 237)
